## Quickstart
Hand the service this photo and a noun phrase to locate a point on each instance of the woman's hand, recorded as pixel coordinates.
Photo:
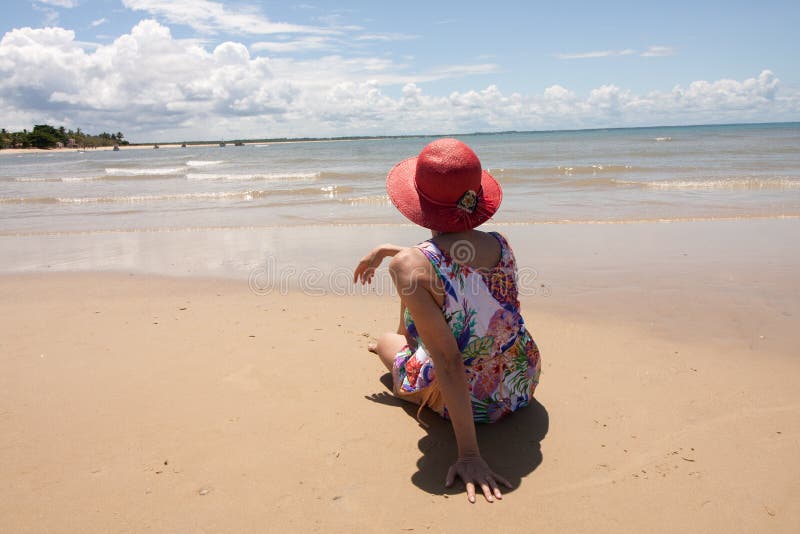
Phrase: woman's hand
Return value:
(365, 270)
(474, 470)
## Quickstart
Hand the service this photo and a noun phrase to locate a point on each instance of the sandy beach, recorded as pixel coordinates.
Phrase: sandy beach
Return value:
(131, 401)
(150, 146)
(183, 347)
(122, 148)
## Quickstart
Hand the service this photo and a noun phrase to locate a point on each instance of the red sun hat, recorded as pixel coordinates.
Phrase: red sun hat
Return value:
(444, 188)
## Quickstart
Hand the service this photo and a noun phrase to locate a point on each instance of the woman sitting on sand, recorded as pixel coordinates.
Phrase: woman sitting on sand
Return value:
(462, 348)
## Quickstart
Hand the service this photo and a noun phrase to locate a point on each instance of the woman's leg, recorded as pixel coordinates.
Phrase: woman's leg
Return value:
(389, 344)
(387, 347)
(401, 328)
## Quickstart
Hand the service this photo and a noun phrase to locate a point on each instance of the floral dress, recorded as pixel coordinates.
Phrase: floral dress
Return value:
(482, 309)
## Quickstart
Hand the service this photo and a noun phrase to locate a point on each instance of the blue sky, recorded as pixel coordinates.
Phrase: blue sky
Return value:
(173, 70)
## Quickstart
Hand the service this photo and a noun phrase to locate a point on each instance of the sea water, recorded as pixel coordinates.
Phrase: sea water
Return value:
(617, 175)
(222, 210)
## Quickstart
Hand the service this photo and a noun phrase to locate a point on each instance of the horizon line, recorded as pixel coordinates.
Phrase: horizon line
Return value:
(452, 134)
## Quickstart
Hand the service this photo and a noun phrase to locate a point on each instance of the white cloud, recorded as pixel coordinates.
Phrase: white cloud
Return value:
(652, 51)
(730, 94)
(60, 3)
(337, 21)
(50, 14)
(657, 51)
(386, 37)
(98, 22)
(558, 93)
(599, 53)
(153, 86)
(295, 45)
(206, 16)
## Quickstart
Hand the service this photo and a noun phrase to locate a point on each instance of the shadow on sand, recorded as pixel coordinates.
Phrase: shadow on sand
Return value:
(511, 446)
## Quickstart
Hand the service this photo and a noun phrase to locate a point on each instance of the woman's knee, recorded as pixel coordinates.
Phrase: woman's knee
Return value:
(391, 342)
(388, 345)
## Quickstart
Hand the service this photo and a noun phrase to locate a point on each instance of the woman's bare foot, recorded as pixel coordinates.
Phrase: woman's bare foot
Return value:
(372, 346)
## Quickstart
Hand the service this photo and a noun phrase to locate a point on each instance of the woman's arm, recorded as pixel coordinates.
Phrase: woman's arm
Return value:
(413, 277)
(365, 269)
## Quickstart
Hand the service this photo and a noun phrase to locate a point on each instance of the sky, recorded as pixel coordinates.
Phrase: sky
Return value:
(172, 70)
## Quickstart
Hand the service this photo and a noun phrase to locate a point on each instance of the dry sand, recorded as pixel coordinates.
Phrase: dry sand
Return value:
(133, 403)
(150, 146)
(122, 148)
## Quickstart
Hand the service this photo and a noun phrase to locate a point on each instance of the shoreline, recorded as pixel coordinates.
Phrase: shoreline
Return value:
(391, 226)
(150, 146)
(122, 148)
(667, 279)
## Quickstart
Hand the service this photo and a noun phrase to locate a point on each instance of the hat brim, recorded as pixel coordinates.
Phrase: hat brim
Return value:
(401, 186)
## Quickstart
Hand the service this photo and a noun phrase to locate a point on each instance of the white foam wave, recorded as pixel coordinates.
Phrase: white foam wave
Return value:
(64, 179)
(592, 169)
(373, 200)
(208, 176)
(736, 183)
(243, 195)
(334, 191)
(269, 177)
(114, 171)
(202, 163)
(81, 178)
(37, 179)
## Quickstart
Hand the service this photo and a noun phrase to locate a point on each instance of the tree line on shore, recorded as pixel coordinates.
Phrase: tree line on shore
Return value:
(46, 136)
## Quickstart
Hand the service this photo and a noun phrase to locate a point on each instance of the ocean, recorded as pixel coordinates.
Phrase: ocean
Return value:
(313, 208)
(615, 175)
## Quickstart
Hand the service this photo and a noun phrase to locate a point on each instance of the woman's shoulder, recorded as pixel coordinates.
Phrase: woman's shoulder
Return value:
(507, 258)
(411, 270)
(409, 260)
(501, 238)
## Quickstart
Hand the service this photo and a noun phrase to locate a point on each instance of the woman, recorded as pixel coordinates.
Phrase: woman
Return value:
(462, 348)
